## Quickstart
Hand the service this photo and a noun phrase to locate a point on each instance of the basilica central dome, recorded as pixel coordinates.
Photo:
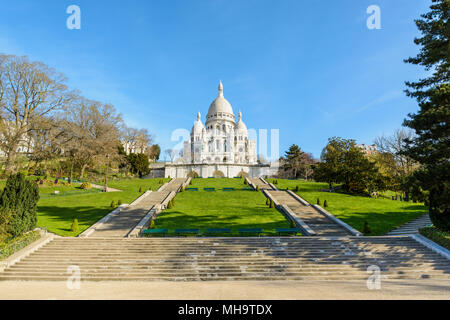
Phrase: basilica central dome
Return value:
(220, 108)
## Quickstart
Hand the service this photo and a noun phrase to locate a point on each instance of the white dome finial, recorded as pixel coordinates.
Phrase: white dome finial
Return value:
(199, 116)
(220, 89)
(240, 115)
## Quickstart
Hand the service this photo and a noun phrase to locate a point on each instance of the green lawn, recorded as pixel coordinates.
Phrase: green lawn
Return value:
(382, 214)
(56, 212)
(221, 209)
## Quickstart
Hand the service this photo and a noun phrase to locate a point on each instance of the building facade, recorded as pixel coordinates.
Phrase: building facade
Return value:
(219, 147)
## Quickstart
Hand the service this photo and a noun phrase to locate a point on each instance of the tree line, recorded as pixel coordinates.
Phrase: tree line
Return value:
(46, 127)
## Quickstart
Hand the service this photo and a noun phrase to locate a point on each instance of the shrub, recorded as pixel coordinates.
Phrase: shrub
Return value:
(318, 201)
(6, 215)
(150, 188)
(119, 203)
(85, 185)
(325, 204)
(113, 204)
(152, 224)
(192, 174)
(74, 227)
(170, 205)
(257, 188)
(366, 229)
(21, 197)
(296, 188)
(169, 178)
(39, 172)
(267, 201)
(140, 189)
(271, 205)
(245, 182)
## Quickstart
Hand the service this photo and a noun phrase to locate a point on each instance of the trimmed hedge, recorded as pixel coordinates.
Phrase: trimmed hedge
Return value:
(440, 237)
(11, 247)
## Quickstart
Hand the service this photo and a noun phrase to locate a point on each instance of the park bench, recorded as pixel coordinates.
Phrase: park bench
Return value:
(279, 231)
(258, 231)
(209, 189)
(217, 230)
(162, 232)
(186, 231)
(247, 189)
(228, 189)
(191, 189)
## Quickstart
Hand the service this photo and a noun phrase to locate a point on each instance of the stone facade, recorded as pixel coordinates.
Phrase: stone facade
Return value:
(220, 147)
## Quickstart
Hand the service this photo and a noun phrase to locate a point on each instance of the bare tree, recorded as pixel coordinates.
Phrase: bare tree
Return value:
(391, 152)
(92, 131)
(29, 91)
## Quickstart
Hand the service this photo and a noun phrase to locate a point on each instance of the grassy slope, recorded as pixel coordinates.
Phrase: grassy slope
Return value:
(220, 209)
(382, 215)
(56, 212)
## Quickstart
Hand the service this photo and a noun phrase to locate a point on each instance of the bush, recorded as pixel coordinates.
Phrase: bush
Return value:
(152, 224)
(257, 188)
(366, 229)
(318, 201)
(296, 188)
(271, 205)
(119, 203)
(150, 188)
(440, 237)
(245, 182)
(140, 189)
(40, 172)
(21, 197)
(325, 204)
(113, 204)
(85, 185)
(74, 227)
(6, 215)
(170, 205)
(267, 201)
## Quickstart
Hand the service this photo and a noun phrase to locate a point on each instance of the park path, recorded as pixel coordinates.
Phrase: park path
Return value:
(120, 225)
(411, 227)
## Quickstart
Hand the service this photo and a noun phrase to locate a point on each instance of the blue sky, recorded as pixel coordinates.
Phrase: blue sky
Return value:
(311, 69)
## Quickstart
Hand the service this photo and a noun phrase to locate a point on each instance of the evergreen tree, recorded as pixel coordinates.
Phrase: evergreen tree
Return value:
(21, 197)
(430, 147)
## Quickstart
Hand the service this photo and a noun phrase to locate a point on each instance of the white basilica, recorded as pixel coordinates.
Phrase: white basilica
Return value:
(220, 147)
(221, 139)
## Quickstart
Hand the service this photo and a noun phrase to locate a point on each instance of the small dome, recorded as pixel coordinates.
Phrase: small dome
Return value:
(198, 125)
(220, 105)
(240, 125)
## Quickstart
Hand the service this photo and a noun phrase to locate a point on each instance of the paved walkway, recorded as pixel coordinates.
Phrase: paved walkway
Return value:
(411, 227)
(121, 224)
(426, 289)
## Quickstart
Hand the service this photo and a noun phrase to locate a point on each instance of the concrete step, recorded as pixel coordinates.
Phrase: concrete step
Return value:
(183, 259)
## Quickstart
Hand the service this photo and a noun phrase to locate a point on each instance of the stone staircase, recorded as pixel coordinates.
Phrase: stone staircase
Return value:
(316, 221)
(257, 182)
(200, 259)
(121, 224)
(411, 227)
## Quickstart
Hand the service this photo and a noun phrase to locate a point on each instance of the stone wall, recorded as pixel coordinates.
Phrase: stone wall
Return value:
(207, 170)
